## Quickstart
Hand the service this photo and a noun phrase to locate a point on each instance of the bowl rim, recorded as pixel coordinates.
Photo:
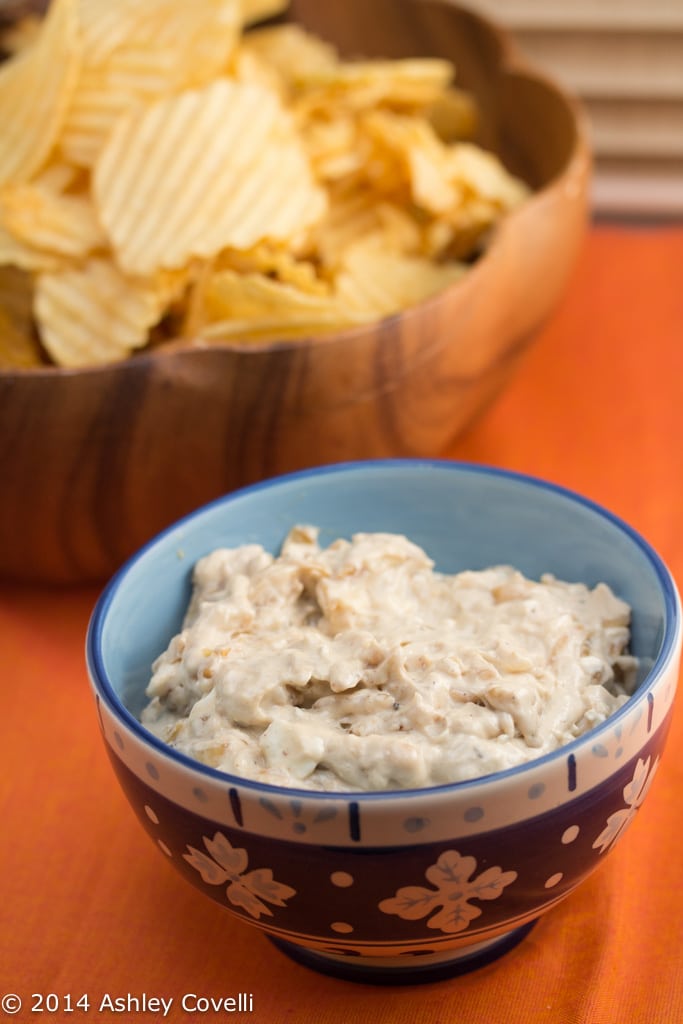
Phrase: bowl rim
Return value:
(670, 643)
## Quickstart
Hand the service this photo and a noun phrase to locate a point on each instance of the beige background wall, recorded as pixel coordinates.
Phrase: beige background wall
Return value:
(625, 59)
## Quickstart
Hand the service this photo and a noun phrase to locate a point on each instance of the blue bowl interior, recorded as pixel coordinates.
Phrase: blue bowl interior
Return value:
(464, 516)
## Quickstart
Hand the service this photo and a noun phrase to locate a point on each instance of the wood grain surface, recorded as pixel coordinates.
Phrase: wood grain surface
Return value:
(94, 462)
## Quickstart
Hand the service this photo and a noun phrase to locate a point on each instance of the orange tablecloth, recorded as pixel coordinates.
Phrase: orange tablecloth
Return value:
(90, 907)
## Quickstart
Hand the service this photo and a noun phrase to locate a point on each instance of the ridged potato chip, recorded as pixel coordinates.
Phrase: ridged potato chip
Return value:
(332, 145)
(351, 216)
(357, 213)
(484, 177)
(35, 89)
(52, 221)
(419, 156)
(132, 57)
(375, 282)
(252, 307)
(14, 253)
(277, 262)
(105, 92)
(158, 24)
(408, 84)
(291, 53)
(209, 169)
(94, 314)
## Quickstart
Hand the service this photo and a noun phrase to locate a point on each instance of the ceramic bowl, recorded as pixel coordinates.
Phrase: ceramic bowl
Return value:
(98, 460)
(396, 886)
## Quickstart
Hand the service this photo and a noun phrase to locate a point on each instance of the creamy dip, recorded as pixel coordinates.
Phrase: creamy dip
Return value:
(358, 667)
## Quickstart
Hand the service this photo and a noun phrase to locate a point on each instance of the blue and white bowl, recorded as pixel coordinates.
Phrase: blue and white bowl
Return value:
(396, 886)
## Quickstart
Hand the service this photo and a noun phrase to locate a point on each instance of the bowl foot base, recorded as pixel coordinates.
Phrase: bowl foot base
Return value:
(405, 970)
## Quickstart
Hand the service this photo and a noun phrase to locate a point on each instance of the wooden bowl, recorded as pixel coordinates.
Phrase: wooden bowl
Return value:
(96, 461)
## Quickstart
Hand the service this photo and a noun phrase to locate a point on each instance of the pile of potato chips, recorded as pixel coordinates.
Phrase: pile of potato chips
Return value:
(167, 169)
